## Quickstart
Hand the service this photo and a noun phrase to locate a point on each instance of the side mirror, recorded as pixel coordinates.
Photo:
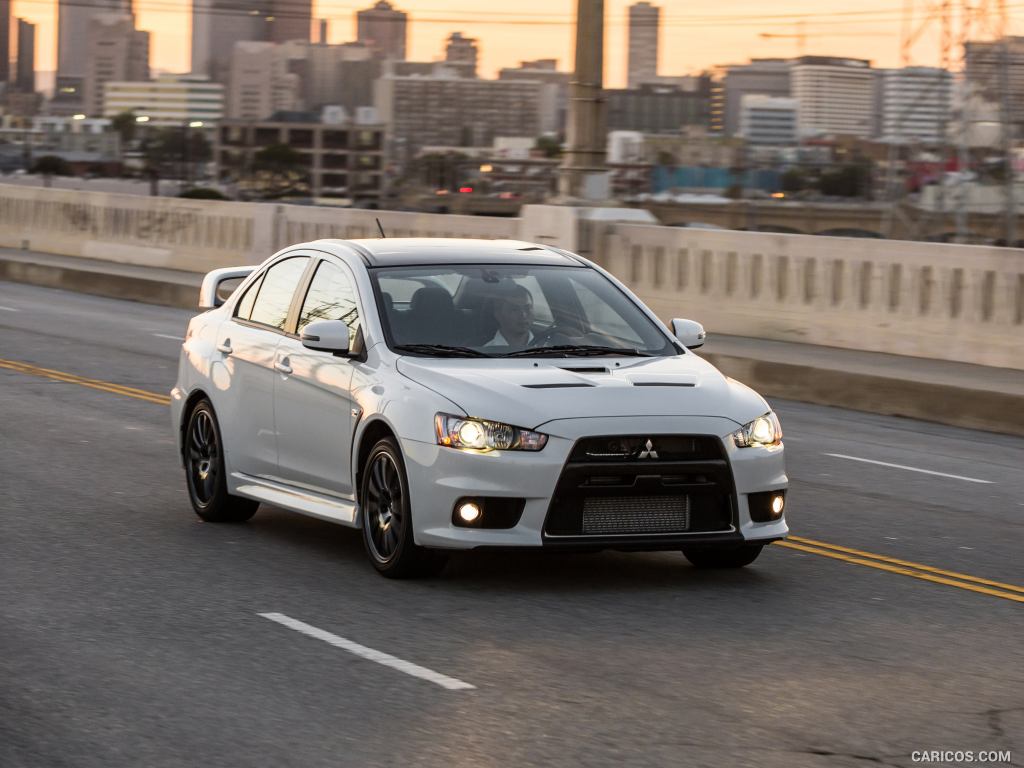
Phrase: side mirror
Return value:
(326, 336)
(689, 332)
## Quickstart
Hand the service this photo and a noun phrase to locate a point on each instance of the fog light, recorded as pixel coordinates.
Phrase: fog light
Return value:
(469, 512)
(767, 506)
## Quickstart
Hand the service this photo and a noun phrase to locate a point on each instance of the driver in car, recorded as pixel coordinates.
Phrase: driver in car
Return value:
(513, 309)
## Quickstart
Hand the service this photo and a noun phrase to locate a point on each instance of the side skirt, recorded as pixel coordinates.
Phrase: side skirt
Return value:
(331, 508)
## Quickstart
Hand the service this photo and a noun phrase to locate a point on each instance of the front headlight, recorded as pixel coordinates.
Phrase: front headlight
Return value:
(481, 435)
(762, 432)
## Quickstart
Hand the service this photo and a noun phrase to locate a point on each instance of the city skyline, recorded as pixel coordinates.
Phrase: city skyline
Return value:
(693, 37)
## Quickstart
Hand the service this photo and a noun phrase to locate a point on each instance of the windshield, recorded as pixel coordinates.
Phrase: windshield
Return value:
(498, 311)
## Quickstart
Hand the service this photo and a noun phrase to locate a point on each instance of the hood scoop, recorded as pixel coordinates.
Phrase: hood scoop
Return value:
(558, 385)
(590, 369)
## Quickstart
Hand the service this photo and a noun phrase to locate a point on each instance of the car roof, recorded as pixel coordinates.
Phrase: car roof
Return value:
(412, 251)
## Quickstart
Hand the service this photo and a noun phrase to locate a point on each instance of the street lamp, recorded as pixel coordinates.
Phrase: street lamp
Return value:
(142, 119)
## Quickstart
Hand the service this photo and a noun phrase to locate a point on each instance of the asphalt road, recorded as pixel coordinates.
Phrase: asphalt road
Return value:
(131, 634)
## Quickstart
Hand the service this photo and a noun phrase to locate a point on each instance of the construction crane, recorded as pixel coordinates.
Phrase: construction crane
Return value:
(800, 37)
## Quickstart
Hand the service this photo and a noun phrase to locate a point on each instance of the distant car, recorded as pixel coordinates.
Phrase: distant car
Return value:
(458, 394)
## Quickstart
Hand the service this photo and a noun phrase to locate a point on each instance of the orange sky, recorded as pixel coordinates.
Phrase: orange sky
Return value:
(695, 33)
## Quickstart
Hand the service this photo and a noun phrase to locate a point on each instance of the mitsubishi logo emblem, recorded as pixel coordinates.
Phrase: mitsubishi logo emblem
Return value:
(648, 451)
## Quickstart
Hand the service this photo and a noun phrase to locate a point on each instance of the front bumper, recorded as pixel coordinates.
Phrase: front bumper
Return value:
(439, 477)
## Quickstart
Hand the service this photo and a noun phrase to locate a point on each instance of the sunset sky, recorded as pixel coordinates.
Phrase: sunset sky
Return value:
(696, 34)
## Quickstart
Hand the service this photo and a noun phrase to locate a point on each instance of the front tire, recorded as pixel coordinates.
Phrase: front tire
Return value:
(387, 522)
(712, 557)
(205, 473)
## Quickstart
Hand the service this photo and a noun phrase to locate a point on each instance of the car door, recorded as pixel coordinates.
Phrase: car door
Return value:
(312, 398)
(248, 344)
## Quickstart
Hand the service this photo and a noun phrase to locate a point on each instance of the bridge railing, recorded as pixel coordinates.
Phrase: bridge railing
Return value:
(949, 302)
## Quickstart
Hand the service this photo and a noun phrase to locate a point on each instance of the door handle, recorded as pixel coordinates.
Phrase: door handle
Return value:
(225, 347)
(283, 367)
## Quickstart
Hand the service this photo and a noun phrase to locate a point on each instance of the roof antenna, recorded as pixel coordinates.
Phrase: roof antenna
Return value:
(381, 228)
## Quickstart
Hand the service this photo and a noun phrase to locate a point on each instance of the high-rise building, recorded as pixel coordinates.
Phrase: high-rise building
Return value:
(115, 51)
(658, 108)
(383, 29)
(340, 75)
(73, 17)
(262, 80)
(25, 68)
(837, 96)
(768, 120)
(985, 61)
(763, 77)
(5, 40)
(290, 20)
(461, 50)
(915, 103)
(644, 20)
(553, 104)
(170, 100)
(446, 110)
(217, 25)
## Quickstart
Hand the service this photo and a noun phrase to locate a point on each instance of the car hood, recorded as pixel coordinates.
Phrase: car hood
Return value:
(530, 392)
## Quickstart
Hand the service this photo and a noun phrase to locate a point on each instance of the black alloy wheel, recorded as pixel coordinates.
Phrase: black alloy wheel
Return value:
(387, 523)
(204, 471)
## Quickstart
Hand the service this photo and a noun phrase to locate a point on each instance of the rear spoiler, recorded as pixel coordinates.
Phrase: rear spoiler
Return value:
(210, 295)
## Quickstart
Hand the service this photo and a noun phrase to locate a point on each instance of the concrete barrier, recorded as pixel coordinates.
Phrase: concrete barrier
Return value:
(943, 302)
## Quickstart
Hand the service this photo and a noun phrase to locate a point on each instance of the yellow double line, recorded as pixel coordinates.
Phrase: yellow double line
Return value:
(798, 543)
(906, 568)
(70, 378)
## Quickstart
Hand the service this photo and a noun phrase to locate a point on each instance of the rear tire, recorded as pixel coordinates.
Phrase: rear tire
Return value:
(203, 452)
(387, 522)
(714, 557)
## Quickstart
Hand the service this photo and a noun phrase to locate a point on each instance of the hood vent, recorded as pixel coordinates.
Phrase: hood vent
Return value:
(565, 385)
(663, 384)
(591, 369)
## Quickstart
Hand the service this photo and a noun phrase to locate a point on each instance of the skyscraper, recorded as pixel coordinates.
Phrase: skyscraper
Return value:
(73, 18)
(25, 69)
(292, 20)
(461, 50)
(644, 19)
(383, 29)
(218, 24)
(115, 50)
(5, 40)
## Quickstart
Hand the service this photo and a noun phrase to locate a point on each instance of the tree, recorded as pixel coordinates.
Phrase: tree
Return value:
(202, 193)
(170, 152)
(848, 181)
(550, 146)
(793, 180)
(124, 123)
(279, 170)
(49, 166)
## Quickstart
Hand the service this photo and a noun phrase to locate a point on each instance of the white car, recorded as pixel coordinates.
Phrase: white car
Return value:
(455, 394)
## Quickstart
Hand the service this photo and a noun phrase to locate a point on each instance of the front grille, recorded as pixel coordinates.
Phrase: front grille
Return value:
(636, 514)
(634, 447)
(643, 485)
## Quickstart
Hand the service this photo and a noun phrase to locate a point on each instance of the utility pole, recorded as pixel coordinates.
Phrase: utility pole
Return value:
(584, 172)
(1006, 115)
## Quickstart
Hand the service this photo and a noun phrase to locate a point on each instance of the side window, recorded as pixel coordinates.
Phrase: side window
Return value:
(275, 296)
(331, 296)
(244, 308)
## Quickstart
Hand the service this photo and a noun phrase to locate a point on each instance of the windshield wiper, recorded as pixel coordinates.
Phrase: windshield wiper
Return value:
(577, 350)
(440, 350)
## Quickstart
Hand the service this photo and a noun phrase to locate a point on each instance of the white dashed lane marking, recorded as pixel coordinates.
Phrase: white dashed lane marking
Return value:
(909, 469)
(385, 659)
